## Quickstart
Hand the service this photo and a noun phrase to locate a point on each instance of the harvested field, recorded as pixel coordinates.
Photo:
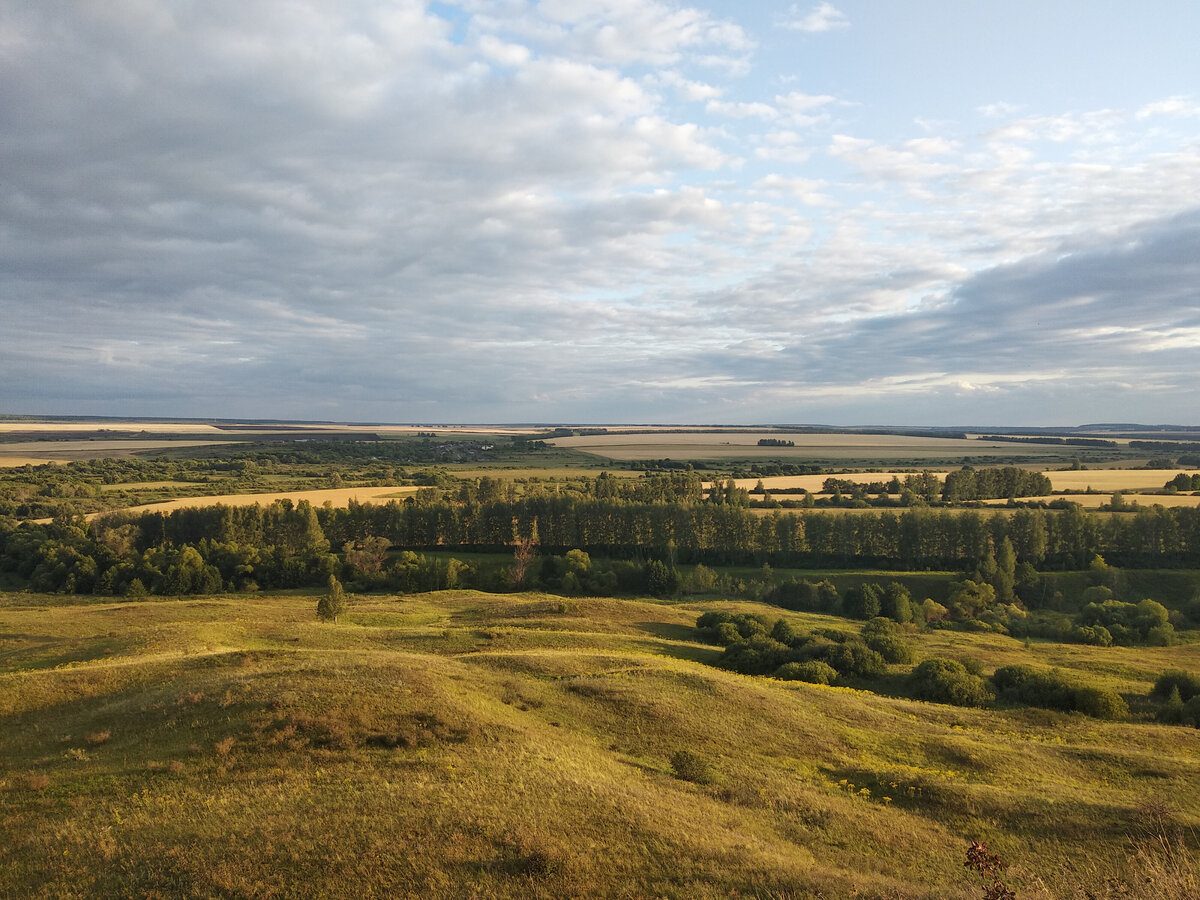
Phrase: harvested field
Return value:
(814, 483)
(75, 427)
(1092, 501)
(22, 453)
(1077, 483)
(1113, 479)
(728, 444)
(336, 496)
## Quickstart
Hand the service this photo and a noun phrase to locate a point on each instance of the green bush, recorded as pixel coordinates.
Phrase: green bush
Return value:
(1187, 684)
(1030, 686)
(892, 648)
(1171, 711)
(687, 765)
(814, 672)
(1191, 712)
(1101, 703)
(948, 681)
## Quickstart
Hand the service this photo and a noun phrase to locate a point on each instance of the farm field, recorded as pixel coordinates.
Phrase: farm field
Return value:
(1093, 501)
(1076, 482)
(338, 497)
(1109, 480)
(461, 744)
(814, 483)
(717, 445)
(41, 452)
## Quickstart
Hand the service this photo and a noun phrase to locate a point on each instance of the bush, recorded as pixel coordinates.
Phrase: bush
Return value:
(687, 765)
(1171, 711)
(1191, 712)
(1185, 683)
(891, 647)
(1101, 704)
(948, 681)
(760, 655)
(814, 672)
(854, 659)
(1029, 686)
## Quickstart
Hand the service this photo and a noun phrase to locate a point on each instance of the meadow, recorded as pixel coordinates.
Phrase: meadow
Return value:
(461, 744)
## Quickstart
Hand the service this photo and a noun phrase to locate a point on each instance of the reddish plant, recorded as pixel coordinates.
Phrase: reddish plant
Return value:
(988, 866)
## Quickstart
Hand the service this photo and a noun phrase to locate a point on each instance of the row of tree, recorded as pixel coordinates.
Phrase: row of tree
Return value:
(283, 545)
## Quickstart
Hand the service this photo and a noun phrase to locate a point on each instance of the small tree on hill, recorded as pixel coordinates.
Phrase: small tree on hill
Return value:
(333, 603)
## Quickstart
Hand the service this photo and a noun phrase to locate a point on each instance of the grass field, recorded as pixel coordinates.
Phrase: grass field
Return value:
(472, 745)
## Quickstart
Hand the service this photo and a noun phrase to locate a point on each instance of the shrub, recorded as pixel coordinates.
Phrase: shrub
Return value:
(758, 656)
(1191, 712)
(947, 681)
(783, 632)
(855, 659)
(814, 672)
(1171, 712)
(1101, 704)
(687, 765)
(1187, 684)
(1034, 687)
(891, 647)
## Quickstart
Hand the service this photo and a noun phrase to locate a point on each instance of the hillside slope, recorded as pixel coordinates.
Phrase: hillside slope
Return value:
(462, 744)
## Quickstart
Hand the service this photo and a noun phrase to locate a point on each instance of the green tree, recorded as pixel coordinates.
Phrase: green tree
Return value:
(332, 603)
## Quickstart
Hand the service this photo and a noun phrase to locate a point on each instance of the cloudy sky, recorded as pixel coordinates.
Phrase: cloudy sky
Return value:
(919, 212)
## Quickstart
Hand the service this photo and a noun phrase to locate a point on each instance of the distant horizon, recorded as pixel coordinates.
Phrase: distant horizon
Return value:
(258, 420)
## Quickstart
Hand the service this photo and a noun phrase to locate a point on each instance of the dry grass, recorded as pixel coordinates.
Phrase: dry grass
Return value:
(471, 745)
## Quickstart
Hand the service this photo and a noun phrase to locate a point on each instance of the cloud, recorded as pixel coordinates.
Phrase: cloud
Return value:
(558, 210)
(734, 110)
(823, 17)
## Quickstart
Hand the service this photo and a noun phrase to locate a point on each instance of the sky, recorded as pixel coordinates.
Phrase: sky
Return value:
(601, 211)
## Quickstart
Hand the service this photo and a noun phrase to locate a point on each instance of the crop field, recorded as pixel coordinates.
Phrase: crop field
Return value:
(814, 483)
(1109, 480)
(718, 445)
(1095, 500)
(338, 497)
(38, 453)
(461, 744)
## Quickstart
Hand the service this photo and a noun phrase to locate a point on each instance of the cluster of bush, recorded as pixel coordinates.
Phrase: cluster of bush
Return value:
(1180, 695)
(962, 683)
(756, 646)
(1184, 482)
(866, 601)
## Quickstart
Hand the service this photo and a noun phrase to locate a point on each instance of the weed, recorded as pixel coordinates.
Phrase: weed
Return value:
(988, 867)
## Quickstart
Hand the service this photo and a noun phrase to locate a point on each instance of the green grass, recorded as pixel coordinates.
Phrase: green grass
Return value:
(462, 744)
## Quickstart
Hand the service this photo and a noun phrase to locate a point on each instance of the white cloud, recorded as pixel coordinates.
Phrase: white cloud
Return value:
(823, 17)
(736, 110)
(1172, 106)
(537, 211)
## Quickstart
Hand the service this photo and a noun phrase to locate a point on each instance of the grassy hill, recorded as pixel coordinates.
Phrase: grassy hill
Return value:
(462, 744)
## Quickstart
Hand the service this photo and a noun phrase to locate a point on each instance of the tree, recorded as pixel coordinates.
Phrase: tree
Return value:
(333, 603)
(897, 602)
